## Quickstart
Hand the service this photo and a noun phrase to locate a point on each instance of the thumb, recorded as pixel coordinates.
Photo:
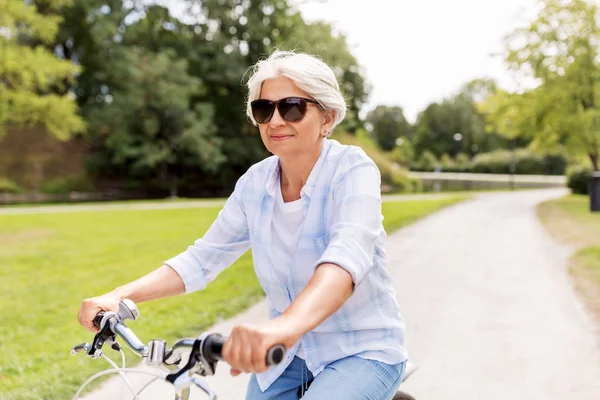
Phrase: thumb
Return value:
(235, 372)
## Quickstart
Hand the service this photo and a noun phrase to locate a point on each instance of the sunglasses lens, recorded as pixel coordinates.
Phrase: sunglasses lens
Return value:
(262, 110)
(292, 109)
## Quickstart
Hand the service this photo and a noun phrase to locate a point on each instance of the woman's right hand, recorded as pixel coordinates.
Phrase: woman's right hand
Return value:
(90, 307)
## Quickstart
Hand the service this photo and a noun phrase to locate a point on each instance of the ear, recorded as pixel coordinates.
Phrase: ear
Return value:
(328, 119)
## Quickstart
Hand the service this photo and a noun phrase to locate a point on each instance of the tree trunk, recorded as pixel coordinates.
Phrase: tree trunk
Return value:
(173, 187)
(594, 185)
(594, 160)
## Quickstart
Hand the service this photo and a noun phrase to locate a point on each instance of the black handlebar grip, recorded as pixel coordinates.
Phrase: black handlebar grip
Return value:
(275, 354)
(213, 348)
(98, 318)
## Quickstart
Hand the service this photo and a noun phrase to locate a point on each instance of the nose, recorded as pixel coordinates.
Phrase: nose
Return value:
(276, 120)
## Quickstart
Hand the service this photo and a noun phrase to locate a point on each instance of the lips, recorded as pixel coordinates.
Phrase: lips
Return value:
(280, 137)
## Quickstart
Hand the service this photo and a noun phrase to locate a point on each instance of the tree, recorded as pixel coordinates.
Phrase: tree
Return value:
(387, 125)
(33, 80)
(145, 123)
(456, 125)
(559, 49)
(218, 40)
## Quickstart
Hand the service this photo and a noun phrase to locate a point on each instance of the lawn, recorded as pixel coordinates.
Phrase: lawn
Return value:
(50, 262)
(569, 220)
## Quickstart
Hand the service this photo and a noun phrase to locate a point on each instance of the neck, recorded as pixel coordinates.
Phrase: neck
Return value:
(296, 169)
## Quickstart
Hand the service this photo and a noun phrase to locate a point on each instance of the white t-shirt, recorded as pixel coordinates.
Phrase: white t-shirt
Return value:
(286, 230)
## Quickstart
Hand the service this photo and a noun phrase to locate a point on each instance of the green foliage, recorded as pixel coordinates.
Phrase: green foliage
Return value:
(393, 177)
(578, 179)
(555, 164)
(404, 153)
(427, 161)
(456, 125)
(76, 183)
(526, 163)
(8, 186)
(34, 85)
(196, 132)
(150, 131)
(387, 125)
(562, 111)
(462, 162)
(495, 162)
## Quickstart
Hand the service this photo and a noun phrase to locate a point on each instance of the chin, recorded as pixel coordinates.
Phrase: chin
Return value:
(283, 151)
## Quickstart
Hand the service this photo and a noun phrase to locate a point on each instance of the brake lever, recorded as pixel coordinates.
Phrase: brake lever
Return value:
(181, 378)
(211, 395)
(105, 321)
(79, 348)
(105, 334)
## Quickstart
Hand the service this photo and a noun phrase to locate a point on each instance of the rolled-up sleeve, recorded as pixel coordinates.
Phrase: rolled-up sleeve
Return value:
(224, 242)
(357, 220)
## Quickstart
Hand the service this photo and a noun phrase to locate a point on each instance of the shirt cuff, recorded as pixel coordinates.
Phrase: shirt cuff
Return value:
(190, 271)
(343, 261)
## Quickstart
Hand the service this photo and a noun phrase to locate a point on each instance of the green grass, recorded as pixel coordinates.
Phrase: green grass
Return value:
(570, 220)
(111, 203)
(395, 216)
(50, 262)
(588, 260)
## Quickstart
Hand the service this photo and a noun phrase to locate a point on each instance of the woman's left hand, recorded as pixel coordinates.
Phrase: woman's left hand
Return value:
(246, 348)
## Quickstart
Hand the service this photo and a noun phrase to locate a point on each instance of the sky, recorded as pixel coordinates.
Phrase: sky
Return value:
(415, 52)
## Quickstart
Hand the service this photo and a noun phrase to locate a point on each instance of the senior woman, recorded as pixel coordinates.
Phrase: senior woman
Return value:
(312, 215)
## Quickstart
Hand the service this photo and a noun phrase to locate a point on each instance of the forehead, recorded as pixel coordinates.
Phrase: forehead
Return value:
(280, 87)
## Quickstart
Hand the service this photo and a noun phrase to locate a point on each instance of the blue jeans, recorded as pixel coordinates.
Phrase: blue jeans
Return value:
(351, 378)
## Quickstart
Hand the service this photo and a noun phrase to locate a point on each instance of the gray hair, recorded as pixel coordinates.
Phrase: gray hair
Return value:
(308, 73)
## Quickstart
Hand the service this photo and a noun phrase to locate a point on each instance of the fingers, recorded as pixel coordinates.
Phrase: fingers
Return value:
(90, 308)
(245, 350)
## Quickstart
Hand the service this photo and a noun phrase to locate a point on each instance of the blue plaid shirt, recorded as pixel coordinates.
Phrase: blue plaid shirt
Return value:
(342, 225)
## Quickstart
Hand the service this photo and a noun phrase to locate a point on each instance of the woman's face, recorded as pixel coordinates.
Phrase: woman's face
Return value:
(288, 139)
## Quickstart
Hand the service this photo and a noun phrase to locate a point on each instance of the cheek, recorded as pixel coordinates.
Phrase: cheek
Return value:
(309, 128)
(262, 129)
(263, 136)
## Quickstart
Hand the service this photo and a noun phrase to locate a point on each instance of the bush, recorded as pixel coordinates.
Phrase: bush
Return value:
(555, 164)
(463, 163)
(447, 162)
(8, 186)
(495, 162)
(403, 155)
(393, 177)
(77, 183)
(578, 179)
(416, 184)
(526, 162)
(426, 162)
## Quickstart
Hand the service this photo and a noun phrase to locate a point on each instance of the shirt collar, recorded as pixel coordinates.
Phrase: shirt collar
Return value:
(312, 178)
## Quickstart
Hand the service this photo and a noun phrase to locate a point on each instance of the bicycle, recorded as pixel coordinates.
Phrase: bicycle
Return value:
(205, 352)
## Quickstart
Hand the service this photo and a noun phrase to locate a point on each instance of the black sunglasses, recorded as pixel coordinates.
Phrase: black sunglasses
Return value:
(291, 109)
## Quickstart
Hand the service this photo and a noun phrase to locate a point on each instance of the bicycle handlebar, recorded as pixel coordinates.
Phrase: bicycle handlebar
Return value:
(209, 346)
(206, 350)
